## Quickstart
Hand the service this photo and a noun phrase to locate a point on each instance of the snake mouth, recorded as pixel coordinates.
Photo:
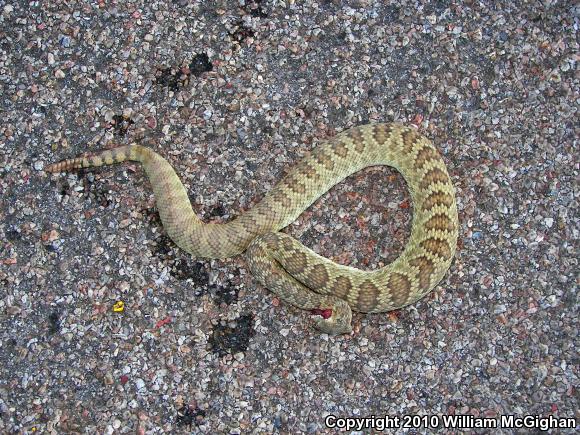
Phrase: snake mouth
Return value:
(325, 313)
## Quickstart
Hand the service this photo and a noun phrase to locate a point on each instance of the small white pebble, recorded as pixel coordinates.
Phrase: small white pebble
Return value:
(139, 384)
(500, 309)
(549, 222)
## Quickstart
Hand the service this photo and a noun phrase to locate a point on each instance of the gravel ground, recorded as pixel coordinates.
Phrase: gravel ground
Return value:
(233, 93)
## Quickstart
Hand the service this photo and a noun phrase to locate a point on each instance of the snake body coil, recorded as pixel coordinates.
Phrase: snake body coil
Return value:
(295, 273)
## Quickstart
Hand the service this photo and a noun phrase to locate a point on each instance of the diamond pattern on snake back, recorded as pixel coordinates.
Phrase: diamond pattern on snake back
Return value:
(429, 252)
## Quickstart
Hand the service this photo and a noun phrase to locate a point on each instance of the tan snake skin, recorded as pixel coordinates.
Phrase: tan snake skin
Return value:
(281, 263)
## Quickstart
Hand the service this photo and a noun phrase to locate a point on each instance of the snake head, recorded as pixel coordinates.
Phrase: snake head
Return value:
(335, 321)
(336, 327)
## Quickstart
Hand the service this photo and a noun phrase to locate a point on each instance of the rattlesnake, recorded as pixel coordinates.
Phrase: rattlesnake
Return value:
(295, 273)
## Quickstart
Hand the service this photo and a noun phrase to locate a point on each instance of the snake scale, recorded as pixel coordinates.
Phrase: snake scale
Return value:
(295, 273)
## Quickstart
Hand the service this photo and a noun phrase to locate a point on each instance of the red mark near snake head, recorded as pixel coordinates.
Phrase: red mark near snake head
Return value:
(326, 314)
